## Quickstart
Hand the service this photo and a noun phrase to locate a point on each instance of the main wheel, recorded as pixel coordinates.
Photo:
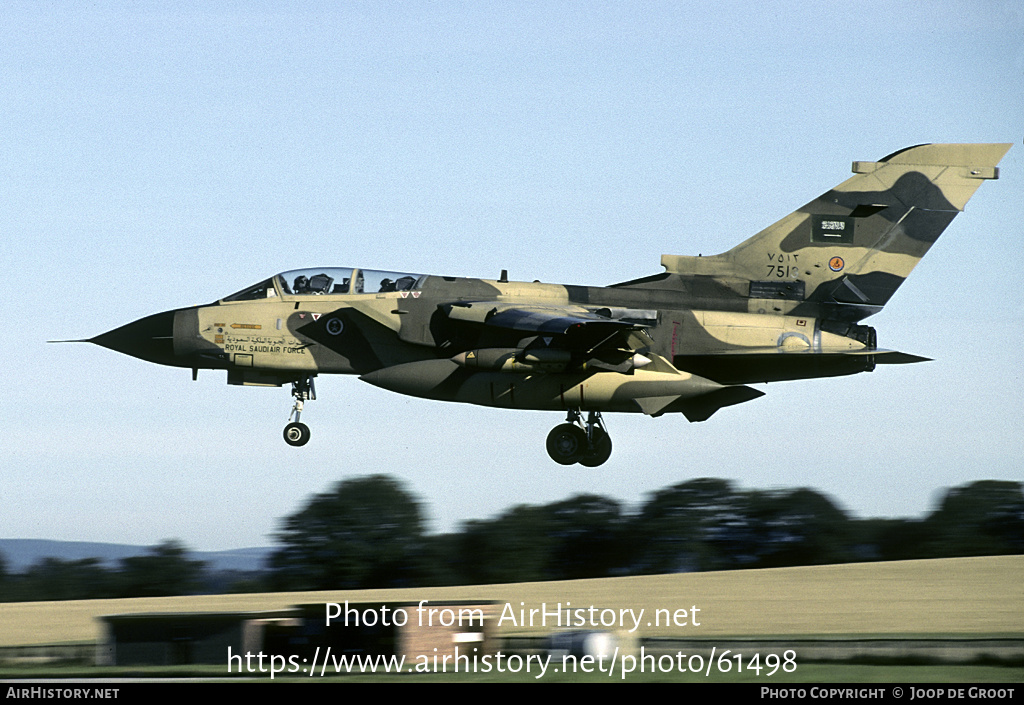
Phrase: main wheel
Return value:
(296, 434)
(600, 450)
(567, 443)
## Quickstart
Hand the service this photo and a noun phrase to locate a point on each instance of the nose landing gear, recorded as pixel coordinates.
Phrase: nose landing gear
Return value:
(296, 433)
(575, 442)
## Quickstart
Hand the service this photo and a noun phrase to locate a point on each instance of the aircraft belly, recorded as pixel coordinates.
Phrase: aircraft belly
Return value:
(445, 380)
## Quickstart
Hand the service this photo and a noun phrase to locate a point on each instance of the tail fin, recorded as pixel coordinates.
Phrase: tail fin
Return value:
(850, 249)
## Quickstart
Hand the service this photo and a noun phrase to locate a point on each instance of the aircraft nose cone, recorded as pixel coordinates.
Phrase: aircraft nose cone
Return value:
(150, 338)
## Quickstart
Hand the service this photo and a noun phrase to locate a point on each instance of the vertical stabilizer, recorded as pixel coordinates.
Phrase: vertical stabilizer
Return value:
(850, 249)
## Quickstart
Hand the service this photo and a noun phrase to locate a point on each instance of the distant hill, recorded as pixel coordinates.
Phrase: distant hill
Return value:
(20, 554)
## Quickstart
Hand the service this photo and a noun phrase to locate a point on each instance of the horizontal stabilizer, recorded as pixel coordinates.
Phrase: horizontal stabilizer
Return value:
(894, 357)
(883, 357)
(756, 365)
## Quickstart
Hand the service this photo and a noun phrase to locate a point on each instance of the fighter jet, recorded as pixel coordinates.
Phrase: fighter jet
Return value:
(785, 304)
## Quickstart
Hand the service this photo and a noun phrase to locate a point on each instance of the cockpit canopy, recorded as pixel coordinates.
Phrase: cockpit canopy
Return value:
(329, 281)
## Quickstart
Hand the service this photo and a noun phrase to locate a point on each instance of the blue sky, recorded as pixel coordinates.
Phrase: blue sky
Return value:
(159, 155)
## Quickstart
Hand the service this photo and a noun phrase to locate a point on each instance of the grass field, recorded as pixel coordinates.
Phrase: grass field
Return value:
(946, 597)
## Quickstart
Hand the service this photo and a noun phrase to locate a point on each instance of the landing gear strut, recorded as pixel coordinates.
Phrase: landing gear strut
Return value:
(577, 442)
(297, 433)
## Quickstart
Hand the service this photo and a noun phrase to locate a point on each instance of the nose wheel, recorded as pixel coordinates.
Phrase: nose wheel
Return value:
(577, 442)
(296, 433)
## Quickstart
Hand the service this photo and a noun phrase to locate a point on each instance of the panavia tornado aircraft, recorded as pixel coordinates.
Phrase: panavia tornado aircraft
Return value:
(785, 304)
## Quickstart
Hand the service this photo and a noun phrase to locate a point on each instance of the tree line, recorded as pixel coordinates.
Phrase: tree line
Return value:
(165, 569)
(369, 532)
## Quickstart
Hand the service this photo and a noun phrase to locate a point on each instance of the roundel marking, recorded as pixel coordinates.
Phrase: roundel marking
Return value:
(335, 326)
(836, 264)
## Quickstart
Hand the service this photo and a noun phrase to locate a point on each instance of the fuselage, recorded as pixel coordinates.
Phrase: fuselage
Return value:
(407, 333)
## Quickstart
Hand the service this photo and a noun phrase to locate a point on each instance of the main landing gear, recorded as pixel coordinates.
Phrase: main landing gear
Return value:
(297, 433)
(575, 442)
